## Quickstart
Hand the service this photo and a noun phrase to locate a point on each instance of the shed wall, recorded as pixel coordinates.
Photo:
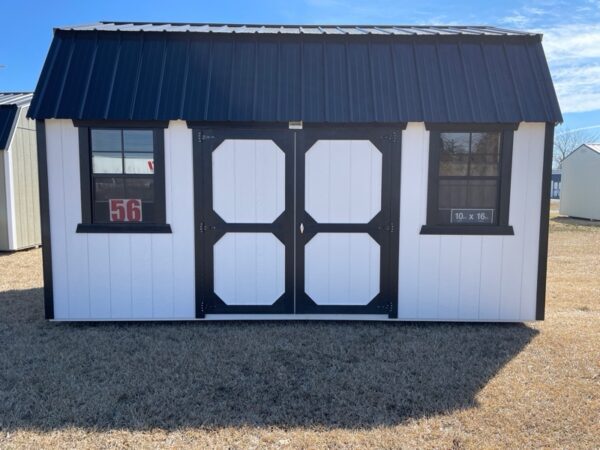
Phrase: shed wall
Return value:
(580, 185)
(488, 278)
(138, 276)
(120, 276)
(25, 185)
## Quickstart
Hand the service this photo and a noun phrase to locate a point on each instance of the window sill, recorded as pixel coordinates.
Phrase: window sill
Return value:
(469, 230)
(123, 228)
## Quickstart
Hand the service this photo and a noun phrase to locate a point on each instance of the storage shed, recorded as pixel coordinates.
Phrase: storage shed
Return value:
(215, 172)
(19, 193)
(580, 193)
(555, 184)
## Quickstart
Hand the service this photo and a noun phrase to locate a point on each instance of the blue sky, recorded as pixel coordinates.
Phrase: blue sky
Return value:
(571, 31)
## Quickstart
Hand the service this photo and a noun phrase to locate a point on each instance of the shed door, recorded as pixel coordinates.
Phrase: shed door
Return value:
(347, 200)
(244, 221)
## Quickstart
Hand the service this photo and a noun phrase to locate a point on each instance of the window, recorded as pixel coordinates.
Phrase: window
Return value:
(122, 175)
(469, 182)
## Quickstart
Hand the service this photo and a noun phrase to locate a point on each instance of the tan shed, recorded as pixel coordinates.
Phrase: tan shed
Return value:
(19, 193)
(580, 190)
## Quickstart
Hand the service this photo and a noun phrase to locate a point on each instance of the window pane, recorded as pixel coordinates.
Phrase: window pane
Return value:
(139, 163)
(142, 188)
(138, 141)
(467, 201)
(485, 154)
(485, 143)
(106, 141)
(105, 162)
(484, 165)
(482, 194)
(454, 154)
(107, 188)
(453, 194)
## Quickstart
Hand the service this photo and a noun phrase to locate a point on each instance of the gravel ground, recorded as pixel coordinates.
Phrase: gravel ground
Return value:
(307, 385)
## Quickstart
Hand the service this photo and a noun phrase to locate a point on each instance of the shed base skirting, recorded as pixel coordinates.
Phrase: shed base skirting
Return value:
(291, 317)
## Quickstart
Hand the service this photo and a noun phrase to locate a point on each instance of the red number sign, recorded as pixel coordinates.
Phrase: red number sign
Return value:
(125, 209)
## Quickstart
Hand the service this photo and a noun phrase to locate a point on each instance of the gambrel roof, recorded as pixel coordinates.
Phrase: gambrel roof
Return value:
(277, 73)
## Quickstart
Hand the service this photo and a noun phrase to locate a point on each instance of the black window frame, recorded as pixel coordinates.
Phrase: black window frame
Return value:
(159, 225)
(504, 177)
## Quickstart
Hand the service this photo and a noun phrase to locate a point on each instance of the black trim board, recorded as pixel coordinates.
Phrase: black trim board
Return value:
(540, 306)
(45, 219)
(121, 123)
(470, 127)
(468, 230)
(123, 228)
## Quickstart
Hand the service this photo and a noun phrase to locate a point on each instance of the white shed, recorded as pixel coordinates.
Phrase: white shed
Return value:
(580, 190)
(19, 193)
(220, 172)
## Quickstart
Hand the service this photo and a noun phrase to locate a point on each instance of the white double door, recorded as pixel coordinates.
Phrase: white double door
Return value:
(296, 222)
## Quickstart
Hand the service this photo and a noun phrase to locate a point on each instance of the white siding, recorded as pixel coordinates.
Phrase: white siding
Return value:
(580, 184)
(120, 276)
(490, 278)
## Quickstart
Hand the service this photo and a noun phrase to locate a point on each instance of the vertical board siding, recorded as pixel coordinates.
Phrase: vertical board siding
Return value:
(23, 207)
(413, 197)
(120, 276)
(490, 278)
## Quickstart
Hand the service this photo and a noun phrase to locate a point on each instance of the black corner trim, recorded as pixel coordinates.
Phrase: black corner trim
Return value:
(469, 230)
(45, 219)
(121, 123)
(123, 228)
(540, 306)
(471, 127)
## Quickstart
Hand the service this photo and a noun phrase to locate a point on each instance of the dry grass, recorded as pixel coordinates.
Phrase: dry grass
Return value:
(307, 385)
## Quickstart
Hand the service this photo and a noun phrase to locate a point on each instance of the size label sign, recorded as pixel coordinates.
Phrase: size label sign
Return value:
(483, 216)
(125, 209)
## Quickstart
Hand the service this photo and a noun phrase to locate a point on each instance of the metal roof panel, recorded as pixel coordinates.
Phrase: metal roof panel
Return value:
(269, 74)
(296, 29)
(8, 117)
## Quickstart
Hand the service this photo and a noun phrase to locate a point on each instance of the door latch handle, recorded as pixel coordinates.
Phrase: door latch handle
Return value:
(301, 228)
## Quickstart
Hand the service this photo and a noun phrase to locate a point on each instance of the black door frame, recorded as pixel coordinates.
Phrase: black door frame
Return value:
(383, 227)
(209, 227)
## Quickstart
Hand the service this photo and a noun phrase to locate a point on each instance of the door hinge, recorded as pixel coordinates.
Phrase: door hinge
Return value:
(203, 228)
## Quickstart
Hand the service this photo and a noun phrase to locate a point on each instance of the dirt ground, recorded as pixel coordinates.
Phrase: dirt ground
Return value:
(307, 385)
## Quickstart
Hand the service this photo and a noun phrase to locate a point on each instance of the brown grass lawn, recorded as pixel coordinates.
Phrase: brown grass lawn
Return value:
(307, 385)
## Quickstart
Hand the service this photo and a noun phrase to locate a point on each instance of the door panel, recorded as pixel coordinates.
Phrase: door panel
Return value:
(249, 268)
(345, 220)
(342, 268)
(245, 220)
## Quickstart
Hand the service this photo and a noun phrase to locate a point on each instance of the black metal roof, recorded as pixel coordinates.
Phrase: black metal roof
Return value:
(9, 108)
(338, 74)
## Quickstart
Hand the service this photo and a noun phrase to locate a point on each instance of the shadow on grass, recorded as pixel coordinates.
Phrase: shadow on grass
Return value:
(139, 376)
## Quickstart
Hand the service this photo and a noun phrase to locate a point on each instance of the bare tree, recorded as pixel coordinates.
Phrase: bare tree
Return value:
(565, 141)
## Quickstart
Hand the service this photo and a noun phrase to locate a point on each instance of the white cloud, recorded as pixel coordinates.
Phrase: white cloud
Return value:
(572, 46)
